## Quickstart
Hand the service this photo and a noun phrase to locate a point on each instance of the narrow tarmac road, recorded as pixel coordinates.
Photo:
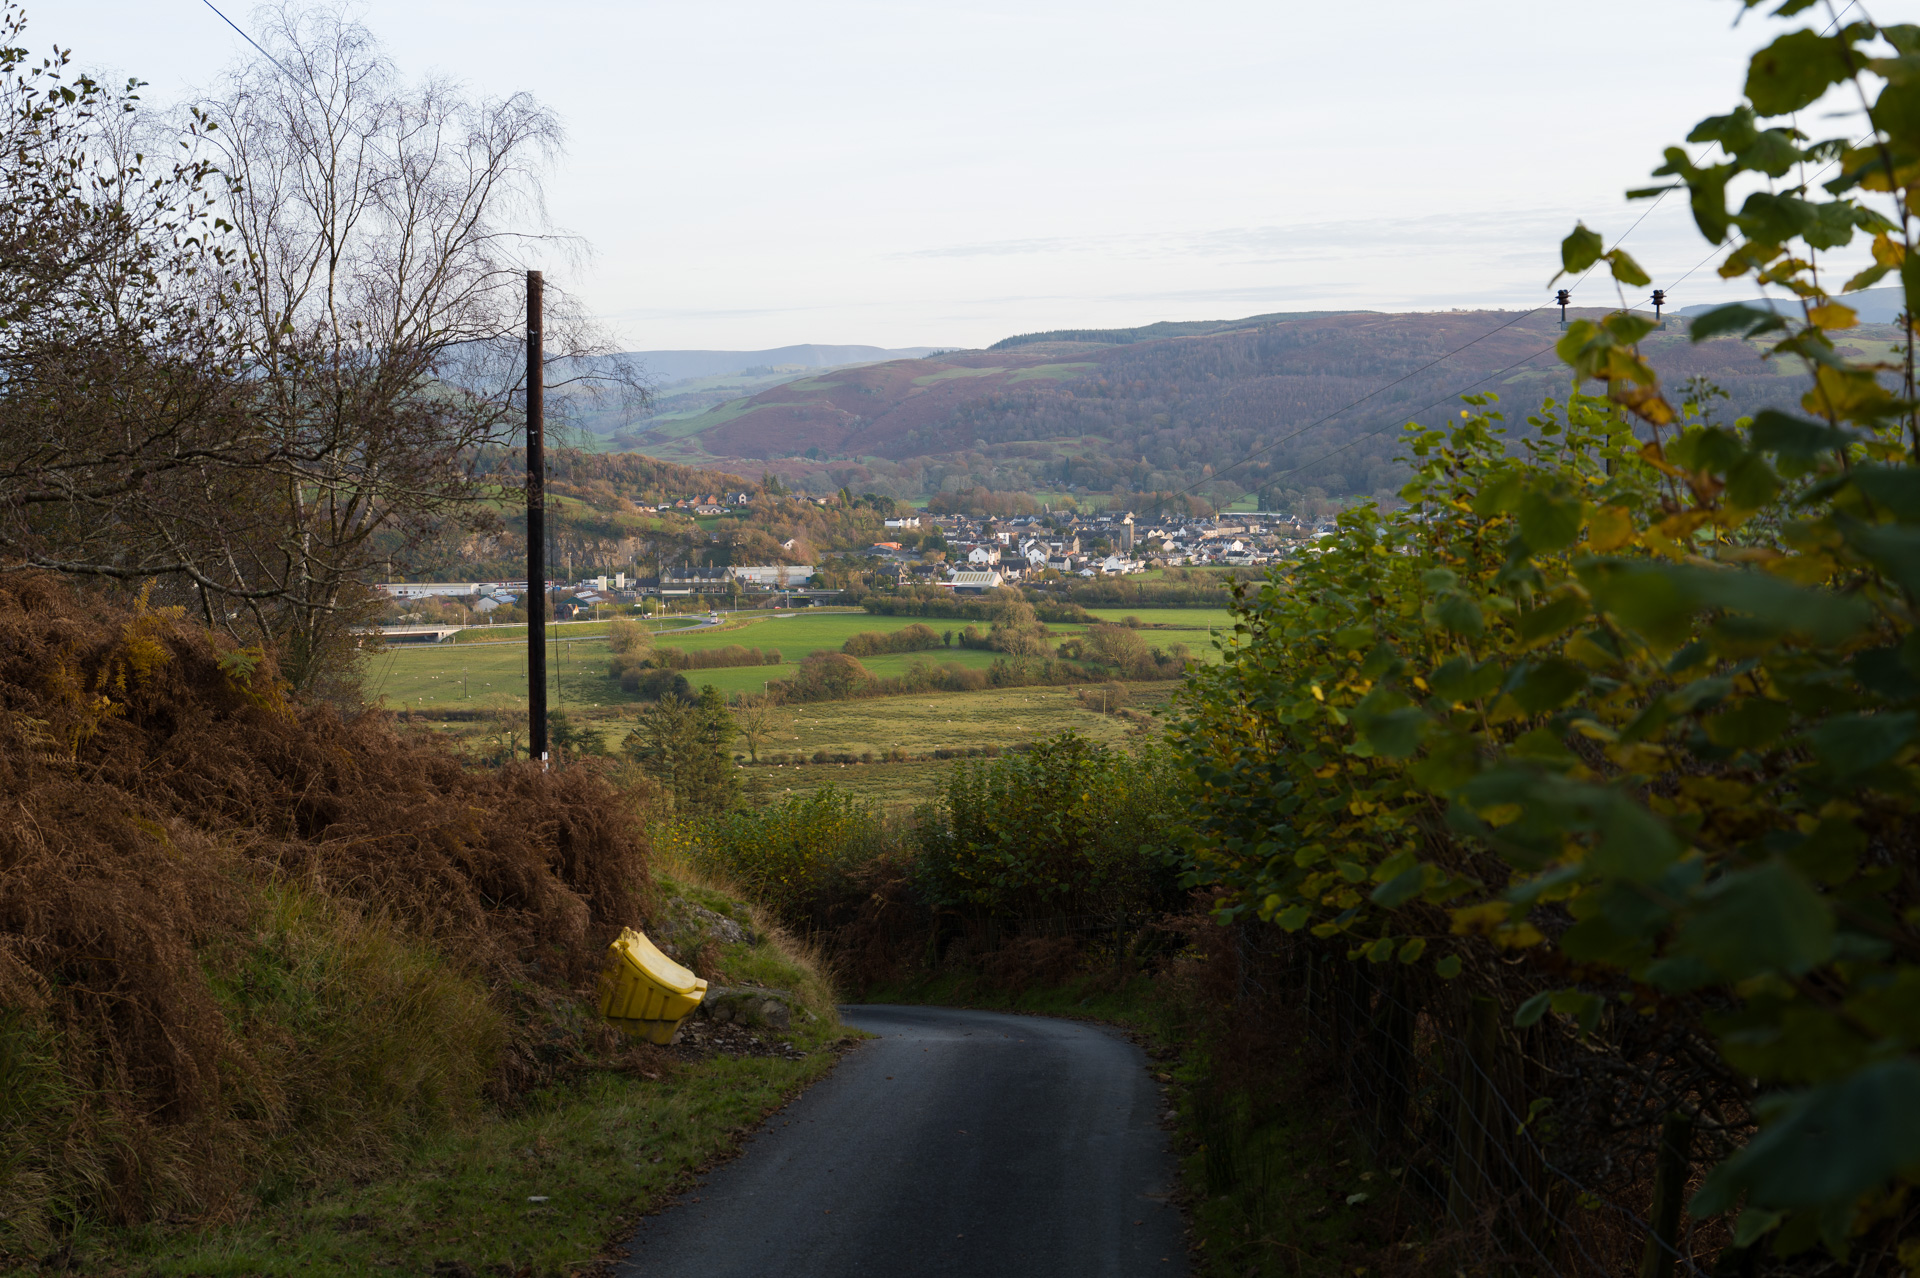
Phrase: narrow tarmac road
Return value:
(959, 1142)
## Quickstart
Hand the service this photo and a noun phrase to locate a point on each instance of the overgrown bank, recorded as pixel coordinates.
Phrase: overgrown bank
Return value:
(252, 952)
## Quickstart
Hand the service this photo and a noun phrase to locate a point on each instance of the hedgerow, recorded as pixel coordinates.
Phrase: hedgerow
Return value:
(1618, 721)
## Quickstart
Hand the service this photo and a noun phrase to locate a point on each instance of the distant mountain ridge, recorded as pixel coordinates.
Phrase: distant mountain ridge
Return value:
(681, 366)
(1147, 332)
(1872, 305)
(1278, 407)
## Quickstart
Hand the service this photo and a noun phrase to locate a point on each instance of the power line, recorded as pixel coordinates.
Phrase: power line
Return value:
(1808, 182)
(1455, 394)
(249, 39)
(1266, 448)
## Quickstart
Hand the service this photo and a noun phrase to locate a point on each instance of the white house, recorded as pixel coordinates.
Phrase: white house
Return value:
(905, 521)
(984, 555)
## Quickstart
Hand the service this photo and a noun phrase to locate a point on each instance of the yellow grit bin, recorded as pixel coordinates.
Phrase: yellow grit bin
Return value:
(645, 993)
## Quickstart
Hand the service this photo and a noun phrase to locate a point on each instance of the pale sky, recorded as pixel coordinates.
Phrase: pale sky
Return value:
(757, 174)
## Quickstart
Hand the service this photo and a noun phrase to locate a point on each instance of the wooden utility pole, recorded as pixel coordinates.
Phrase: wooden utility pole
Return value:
(536, 529)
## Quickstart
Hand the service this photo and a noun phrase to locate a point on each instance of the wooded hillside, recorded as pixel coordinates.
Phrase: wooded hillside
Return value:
(1165, 407)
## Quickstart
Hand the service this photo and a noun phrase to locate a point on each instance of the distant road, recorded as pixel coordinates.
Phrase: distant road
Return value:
(958, 1143)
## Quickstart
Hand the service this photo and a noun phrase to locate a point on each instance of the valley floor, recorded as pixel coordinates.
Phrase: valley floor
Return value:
(466, 691)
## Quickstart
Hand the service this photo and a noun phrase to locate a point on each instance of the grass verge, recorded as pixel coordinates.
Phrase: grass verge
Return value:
(543, 1193)
(549, 1188)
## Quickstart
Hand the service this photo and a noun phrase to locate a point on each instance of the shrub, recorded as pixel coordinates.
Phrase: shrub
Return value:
(674, 657)
(1067, 828)
(825, 676)
(914, 638)
(626, 635)
(1018, 633)
(656, 685)
(798, 855)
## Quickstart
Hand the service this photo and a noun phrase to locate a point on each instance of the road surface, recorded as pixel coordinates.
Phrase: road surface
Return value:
(963, 1143)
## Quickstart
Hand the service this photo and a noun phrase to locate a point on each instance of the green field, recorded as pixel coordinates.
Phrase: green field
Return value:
(477, 675)
(1173, 618)
(493, 677)
(921, 724)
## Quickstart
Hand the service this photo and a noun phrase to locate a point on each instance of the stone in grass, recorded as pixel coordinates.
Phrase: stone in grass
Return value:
(686, 923)
(747, 1005)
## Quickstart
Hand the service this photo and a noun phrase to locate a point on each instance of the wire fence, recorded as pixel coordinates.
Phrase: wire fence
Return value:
(1539, 1150)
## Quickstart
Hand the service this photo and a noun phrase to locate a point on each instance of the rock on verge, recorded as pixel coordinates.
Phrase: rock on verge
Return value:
(748, 1005)
(687, 924)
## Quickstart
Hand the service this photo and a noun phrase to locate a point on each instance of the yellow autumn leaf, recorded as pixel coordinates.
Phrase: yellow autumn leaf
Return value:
(1888, 251)
(1656, 457)
(1501, 814)
(1609, 528)
(1517, 936)
(1639, 758)
(1833, 315)
(1661, 544)
(1470, 920)
(1848, 394)
(1644, 402)
(1588, 653)
(1802, 570)
(1683, 524)
(1716, 791)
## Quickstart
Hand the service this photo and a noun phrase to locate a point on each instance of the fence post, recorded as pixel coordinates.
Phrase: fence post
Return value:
(1671, 1168)
(1473, 1117)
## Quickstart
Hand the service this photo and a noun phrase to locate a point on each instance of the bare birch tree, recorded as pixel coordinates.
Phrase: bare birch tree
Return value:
(386, 229)
(253, 373)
